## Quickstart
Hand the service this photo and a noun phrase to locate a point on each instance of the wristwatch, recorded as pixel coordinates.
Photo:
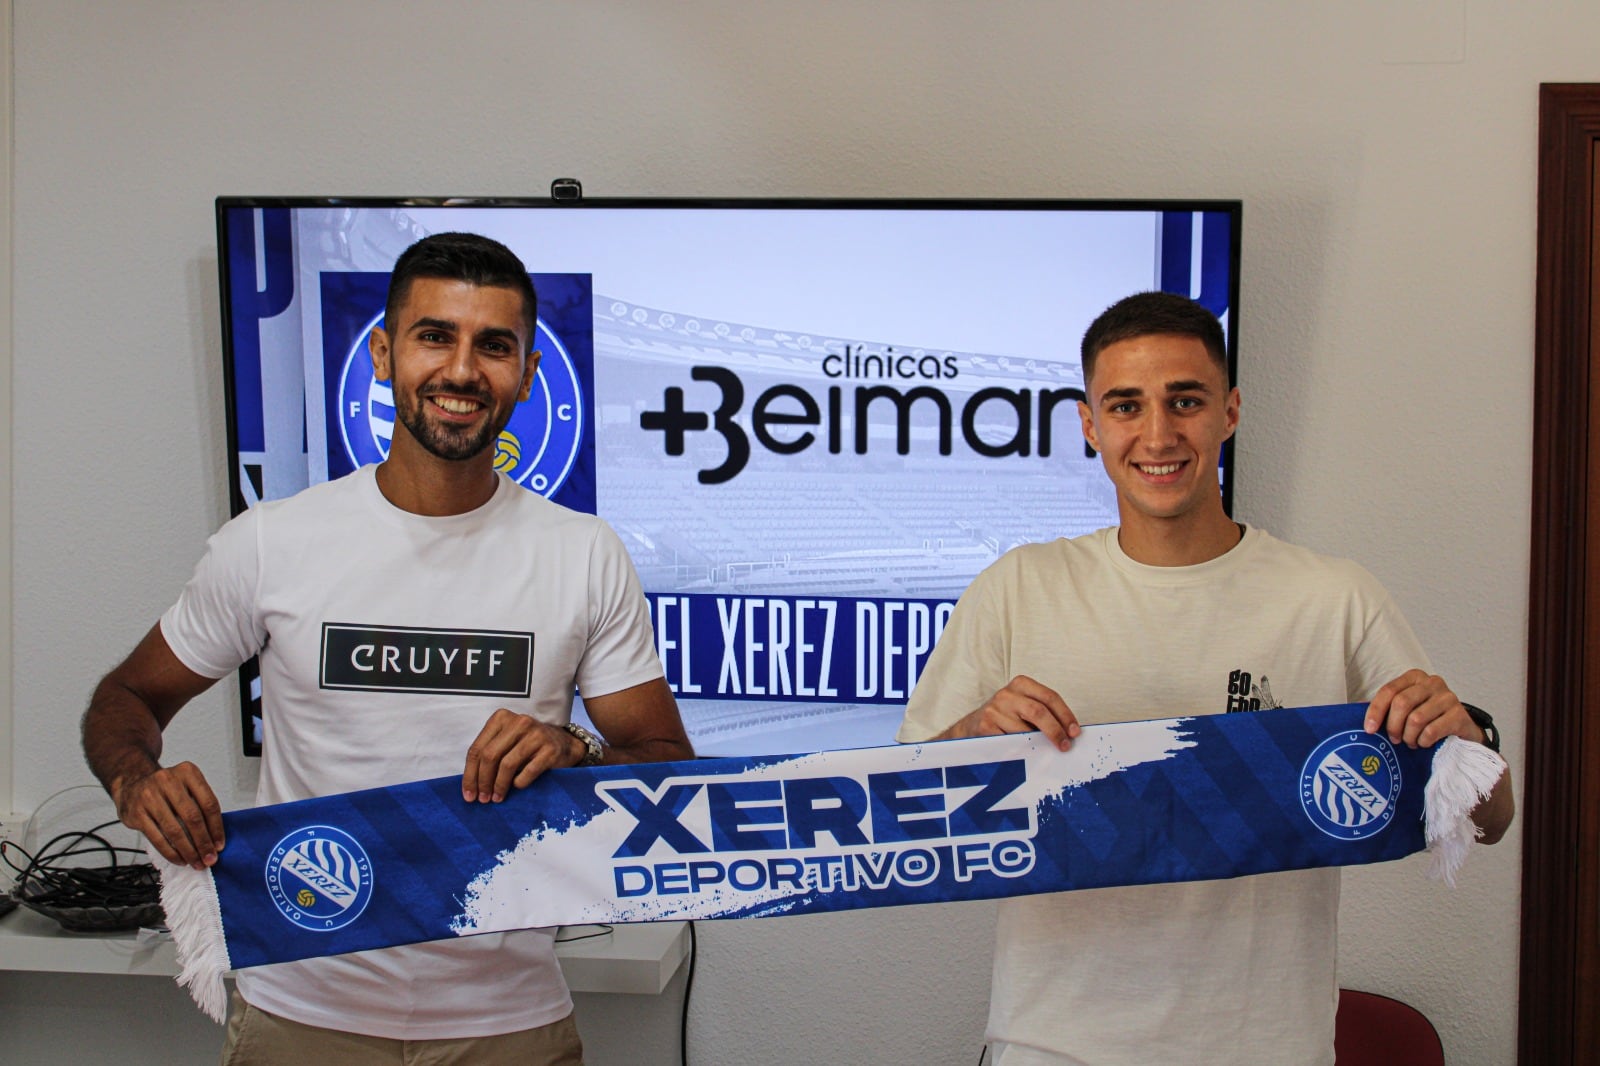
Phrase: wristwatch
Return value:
(1481, 719)
(593, 752)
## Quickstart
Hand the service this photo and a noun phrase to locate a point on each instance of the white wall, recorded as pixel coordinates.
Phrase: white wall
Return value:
(5, 405)
(1385, 153)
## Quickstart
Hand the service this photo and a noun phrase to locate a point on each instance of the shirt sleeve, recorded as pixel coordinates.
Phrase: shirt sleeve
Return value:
(1387, 646)
(968, 665)
(621, 651)
(215, 625)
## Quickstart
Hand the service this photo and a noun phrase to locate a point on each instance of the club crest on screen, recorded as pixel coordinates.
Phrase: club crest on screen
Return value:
(1349, 785)
(538, 446)
(320, 878)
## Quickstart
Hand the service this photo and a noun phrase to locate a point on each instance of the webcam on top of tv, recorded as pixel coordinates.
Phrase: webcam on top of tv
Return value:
(566, 190)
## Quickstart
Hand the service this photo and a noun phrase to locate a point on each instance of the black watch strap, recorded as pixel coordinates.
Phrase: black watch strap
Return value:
(1482, 719)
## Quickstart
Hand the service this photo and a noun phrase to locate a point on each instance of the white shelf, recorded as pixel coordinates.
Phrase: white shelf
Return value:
(631, 959)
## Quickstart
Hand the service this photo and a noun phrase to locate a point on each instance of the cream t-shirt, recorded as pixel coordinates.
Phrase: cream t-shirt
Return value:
(1238, 971)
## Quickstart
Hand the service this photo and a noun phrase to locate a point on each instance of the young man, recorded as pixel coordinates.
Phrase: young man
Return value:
(1177, 611)
(434, 550)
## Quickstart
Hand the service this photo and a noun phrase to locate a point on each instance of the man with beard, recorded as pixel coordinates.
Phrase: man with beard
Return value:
(433, 556)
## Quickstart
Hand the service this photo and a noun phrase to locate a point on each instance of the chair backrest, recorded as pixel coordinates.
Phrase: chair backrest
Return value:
(1374, 1030)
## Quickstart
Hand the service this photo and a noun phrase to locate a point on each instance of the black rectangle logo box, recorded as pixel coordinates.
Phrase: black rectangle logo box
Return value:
(466, 662)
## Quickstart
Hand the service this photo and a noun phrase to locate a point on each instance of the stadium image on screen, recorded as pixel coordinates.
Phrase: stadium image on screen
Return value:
(811, 422)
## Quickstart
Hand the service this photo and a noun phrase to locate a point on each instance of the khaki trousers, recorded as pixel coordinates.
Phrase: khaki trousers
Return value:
(256, 1038)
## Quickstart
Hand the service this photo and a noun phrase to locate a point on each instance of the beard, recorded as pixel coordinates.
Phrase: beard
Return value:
(454, 443)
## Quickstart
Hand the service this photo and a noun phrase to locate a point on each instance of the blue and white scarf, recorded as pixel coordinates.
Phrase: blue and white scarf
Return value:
(1183, 799)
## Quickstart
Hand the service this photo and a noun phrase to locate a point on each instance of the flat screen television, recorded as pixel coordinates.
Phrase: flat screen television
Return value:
(812, 422)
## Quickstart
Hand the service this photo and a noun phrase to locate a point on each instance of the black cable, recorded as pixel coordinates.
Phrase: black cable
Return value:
(601, 930)
(983, 1053)
(688, 986)
(46, 883)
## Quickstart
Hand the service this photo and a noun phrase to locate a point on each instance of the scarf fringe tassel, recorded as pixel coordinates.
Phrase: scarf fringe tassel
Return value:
(189, 898)
(1463, 775)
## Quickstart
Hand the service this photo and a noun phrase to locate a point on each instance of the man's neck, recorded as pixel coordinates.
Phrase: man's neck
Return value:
(1182, 541)
(418, 481)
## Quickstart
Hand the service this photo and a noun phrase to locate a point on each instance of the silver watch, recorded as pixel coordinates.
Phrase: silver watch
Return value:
(592, 750)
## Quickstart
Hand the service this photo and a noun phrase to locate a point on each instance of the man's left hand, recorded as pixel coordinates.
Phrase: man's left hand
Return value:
(511, 751)
(1419, 709)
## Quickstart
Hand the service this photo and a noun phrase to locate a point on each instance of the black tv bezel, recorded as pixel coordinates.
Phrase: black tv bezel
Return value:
(236, 502)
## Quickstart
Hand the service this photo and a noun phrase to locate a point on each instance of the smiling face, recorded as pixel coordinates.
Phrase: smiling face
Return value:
(1159, 411)
(458, 359)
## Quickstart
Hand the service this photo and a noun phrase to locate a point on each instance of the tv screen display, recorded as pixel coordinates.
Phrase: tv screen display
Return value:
(811, 422)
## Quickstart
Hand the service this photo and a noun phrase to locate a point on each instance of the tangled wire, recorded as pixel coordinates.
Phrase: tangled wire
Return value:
(117, 895)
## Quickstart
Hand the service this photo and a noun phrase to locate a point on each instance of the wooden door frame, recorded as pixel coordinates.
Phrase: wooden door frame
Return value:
(1558, 854)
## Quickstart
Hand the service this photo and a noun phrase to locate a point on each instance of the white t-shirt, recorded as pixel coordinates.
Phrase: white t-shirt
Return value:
(387, 639)
(1237, 971)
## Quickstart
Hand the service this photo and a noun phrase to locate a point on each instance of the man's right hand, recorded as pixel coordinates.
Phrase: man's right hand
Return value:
(176, 811)
(174, 807)
(1022, 706)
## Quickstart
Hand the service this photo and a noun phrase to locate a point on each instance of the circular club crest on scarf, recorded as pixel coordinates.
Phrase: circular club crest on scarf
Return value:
(1349, 785)
(320, 878)
(538, 447)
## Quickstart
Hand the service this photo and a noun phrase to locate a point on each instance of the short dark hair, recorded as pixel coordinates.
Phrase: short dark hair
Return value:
(468, 257)
(1146, 313)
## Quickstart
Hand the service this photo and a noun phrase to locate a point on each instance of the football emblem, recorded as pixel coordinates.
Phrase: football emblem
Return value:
(1349, 784)
(319, 877)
